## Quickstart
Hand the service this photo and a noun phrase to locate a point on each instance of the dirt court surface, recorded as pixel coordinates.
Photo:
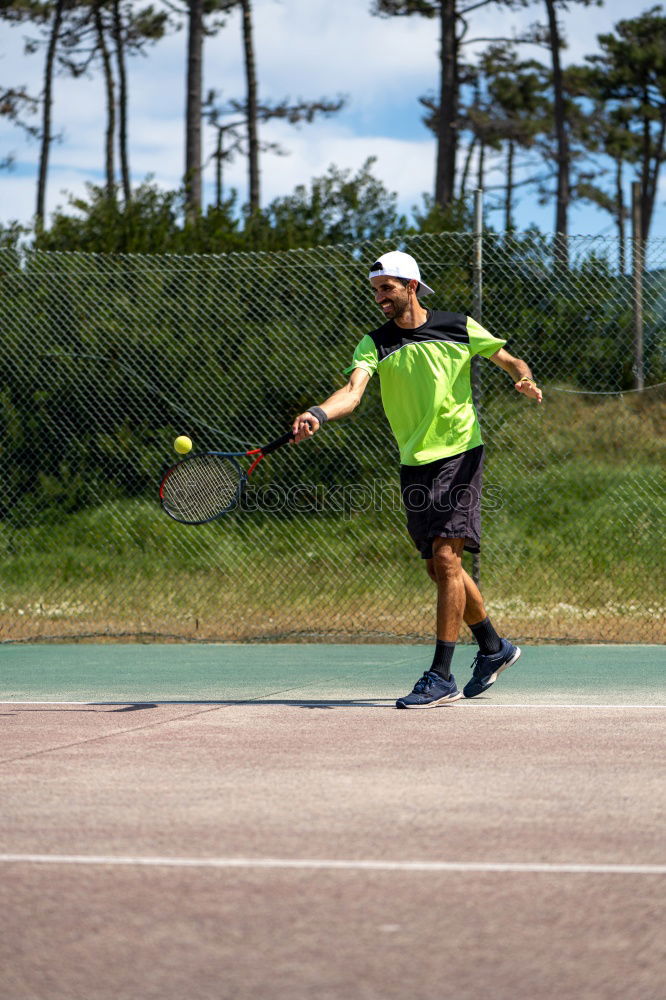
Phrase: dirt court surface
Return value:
(230, 822)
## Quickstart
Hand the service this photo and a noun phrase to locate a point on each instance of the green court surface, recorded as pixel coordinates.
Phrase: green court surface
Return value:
(338, 674)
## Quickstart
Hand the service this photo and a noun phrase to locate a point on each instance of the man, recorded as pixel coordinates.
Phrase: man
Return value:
(423, 361)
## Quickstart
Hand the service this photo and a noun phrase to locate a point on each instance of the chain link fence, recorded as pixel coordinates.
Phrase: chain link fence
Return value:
(107, 359)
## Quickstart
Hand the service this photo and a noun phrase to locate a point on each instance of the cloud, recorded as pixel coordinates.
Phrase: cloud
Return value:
(305, 48)
(341, 47)
(406, 167)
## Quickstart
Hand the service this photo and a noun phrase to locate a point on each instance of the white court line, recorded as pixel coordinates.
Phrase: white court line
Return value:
(336, 865)
(258, 701)
(582, 704)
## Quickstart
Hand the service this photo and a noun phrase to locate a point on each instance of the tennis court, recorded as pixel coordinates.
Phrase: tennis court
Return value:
(235, 821)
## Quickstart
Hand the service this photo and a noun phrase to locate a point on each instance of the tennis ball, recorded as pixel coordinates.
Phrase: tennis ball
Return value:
(182, 444)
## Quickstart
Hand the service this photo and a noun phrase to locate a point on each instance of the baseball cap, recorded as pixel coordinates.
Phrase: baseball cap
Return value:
(396, 264)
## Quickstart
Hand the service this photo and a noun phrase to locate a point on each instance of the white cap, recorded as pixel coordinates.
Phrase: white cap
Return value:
(397, 264)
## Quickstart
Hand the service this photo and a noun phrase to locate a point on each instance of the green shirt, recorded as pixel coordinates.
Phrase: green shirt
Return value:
(424, 377)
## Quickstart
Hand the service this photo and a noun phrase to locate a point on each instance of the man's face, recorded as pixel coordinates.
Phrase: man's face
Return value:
(391, 296)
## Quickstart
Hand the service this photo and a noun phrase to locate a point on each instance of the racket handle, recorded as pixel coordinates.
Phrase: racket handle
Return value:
(278, 443)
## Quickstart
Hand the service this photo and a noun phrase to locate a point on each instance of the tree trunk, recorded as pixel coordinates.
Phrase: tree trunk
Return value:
(193, 110)
(562, 142)
(46, 112)
(110, 104)
(653, 151)
(251, 78)
(447, 132)
(480, 172)
(122, 102)
(467, 166)
(619, 218)
(219, 153)
(508, 207)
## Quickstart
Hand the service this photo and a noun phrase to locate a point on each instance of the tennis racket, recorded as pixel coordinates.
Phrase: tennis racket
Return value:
(205, 486)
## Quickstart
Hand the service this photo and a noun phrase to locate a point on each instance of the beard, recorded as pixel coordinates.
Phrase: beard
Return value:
(397, 308)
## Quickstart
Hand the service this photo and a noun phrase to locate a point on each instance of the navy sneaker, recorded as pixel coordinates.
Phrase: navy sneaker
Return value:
(486, 669)
(429, 691)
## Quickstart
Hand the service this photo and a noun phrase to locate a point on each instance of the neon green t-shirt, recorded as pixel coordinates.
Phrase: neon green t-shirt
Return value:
(425, 384)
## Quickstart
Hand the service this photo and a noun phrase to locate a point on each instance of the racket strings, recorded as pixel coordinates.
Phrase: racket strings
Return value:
(202, 488)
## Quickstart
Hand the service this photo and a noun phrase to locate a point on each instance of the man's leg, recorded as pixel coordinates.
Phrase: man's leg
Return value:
(438, 686)
(475, 609)
(474, 613)
(495, 654)
(477, 620)
(451, 597)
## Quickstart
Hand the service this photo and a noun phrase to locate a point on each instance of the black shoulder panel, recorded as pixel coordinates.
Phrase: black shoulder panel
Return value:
(443, 326)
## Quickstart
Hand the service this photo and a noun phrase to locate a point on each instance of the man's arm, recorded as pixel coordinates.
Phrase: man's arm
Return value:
(343, 402)
(519, 372)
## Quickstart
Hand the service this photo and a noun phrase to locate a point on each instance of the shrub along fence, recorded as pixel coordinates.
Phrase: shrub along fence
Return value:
(107, 359)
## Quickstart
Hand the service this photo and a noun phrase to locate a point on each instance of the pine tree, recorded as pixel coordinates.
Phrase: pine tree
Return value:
(629, 77)
(514, 111)
(445, 112)
(446, 121)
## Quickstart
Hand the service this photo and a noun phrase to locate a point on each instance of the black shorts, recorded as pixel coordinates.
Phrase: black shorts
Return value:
(443, 500)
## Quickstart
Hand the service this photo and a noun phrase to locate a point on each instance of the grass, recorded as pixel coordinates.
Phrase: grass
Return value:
(575, 498)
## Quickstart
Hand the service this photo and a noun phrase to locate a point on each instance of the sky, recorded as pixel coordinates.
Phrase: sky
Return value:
(304, 49)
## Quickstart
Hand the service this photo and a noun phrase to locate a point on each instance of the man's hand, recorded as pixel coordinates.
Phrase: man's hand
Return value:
(519, 372)
(305, 425)
(528, 387)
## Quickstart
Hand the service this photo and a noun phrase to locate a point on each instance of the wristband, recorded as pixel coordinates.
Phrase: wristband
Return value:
(525, 378)
(320, 414)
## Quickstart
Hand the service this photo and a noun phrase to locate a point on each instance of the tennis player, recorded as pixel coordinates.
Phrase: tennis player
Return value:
(423, 360)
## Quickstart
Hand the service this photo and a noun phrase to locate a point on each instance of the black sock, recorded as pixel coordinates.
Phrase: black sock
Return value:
(486, 636)
(441, 663)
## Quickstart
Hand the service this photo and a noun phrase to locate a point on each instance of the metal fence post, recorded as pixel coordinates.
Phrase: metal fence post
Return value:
(477, 314)
(637, 273)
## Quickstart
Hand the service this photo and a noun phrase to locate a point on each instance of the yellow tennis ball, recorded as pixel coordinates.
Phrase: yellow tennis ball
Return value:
(182, 444)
